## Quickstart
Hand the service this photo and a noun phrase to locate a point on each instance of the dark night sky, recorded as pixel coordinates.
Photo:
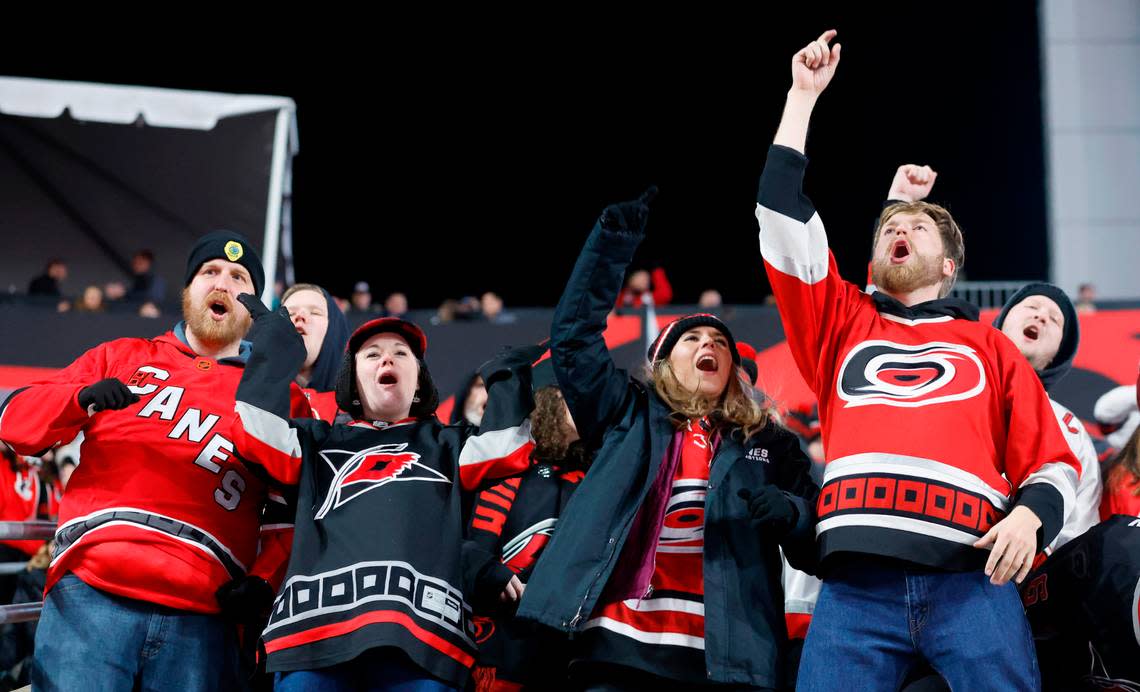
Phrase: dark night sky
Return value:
(445, 161)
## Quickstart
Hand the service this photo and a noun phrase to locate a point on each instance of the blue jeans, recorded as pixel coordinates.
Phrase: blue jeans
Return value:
(376, 669)
(92, 640)
(872, 623)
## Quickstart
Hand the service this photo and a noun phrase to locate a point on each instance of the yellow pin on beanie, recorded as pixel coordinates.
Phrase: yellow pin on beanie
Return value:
(230, 246)
(233, 251)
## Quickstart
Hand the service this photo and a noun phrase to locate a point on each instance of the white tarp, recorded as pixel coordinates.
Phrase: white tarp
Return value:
(133, 168)
(125, 105)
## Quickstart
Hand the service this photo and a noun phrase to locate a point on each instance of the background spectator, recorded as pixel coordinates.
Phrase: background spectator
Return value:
(145, 285)
(468, 308)
(641, 283)
(114, 291)
(50, 283)
(91, 300)
(491, 305)
(1086, 298)
(446, 312)
(149, 310)
(710, 299)
(362, 298)
(396, 304)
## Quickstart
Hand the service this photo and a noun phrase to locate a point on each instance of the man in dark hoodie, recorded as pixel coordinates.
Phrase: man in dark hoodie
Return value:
(1042, 323)
(324, 329)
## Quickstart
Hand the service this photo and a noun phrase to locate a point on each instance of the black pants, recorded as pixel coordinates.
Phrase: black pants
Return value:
(606, 677)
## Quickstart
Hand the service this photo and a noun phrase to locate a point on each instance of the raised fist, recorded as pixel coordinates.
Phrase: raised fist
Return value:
(814, 65)
(629, 216)
(912, 183)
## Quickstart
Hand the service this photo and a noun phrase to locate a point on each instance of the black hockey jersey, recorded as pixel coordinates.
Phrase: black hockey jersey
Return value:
(378, 556)
(514, 519)
(1082, 605)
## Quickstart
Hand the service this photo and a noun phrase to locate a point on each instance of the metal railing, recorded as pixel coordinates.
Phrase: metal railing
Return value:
(22, 531)
(987, 294)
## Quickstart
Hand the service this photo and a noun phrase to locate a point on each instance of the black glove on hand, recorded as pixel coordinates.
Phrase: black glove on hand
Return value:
(108, 394)
(246, 599)
(271, 328)
(629, 216)
(490, 582)
(770, 507)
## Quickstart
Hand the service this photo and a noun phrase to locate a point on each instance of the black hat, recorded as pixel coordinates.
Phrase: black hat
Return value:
(667, 339)
(230, 246)
(347, 396)
(1070, 334)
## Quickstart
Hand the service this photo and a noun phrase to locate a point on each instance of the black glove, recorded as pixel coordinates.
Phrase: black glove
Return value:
(246, 599)
(512, 359)
(769, 507)
(271, 328)
(629, 216)
(490, 580)
(108, 394)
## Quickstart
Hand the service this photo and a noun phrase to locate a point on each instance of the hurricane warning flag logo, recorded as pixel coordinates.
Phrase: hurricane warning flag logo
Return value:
(522, 551)
(370, 469)
(882, 372)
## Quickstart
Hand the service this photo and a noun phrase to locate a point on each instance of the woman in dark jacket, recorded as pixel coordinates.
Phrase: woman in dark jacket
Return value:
(666, 564)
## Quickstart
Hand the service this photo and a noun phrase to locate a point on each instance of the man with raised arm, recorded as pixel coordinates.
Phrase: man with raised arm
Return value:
(158, 550)
(941, 444)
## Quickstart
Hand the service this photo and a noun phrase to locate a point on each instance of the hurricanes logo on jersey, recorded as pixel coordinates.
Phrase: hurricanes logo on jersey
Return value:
(882, 372)
(370, 469)
(522, 551)
(684, 525)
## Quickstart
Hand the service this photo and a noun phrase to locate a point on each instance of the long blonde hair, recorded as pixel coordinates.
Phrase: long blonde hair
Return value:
(734, 409)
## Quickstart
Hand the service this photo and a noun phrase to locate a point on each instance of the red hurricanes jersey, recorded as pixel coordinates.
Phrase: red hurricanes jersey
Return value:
(673, 613)
(643, 633)
(932, 422)
(161, 509)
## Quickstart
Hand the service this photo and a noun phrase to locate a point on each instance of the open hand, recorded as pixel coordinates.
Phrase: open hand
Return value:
(1013, 544)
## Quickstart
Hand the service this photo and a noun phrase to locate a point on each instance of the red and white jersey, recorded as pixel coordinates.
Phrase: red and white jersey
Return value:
(801, 593)
(1086, 510)
(323, 404)
(161, 509)
(673, 613)
(932, 422)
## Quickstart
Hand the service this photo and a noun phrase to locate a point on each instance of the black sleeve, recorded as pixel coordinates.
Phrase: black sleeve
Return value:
(593, 387)
(793, 477)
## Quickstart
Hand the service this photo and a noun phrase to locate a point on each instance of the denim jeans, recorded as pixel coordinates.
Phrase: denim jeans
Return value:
(92, 640)
(873, 622)
(378, 669)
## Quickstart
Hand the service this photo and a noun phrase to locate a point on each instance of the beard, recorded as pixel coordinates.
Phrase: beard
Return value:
(209, 331)
(904, 278)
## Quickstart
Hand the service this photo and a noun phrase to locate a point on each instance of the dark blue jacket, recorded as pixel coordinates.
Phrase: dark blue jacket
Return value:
(745, 635)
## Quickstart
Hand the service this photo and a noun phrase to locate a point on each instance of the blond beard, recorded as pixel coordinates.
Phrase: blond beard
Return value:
(215, 334)
(903, 278)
